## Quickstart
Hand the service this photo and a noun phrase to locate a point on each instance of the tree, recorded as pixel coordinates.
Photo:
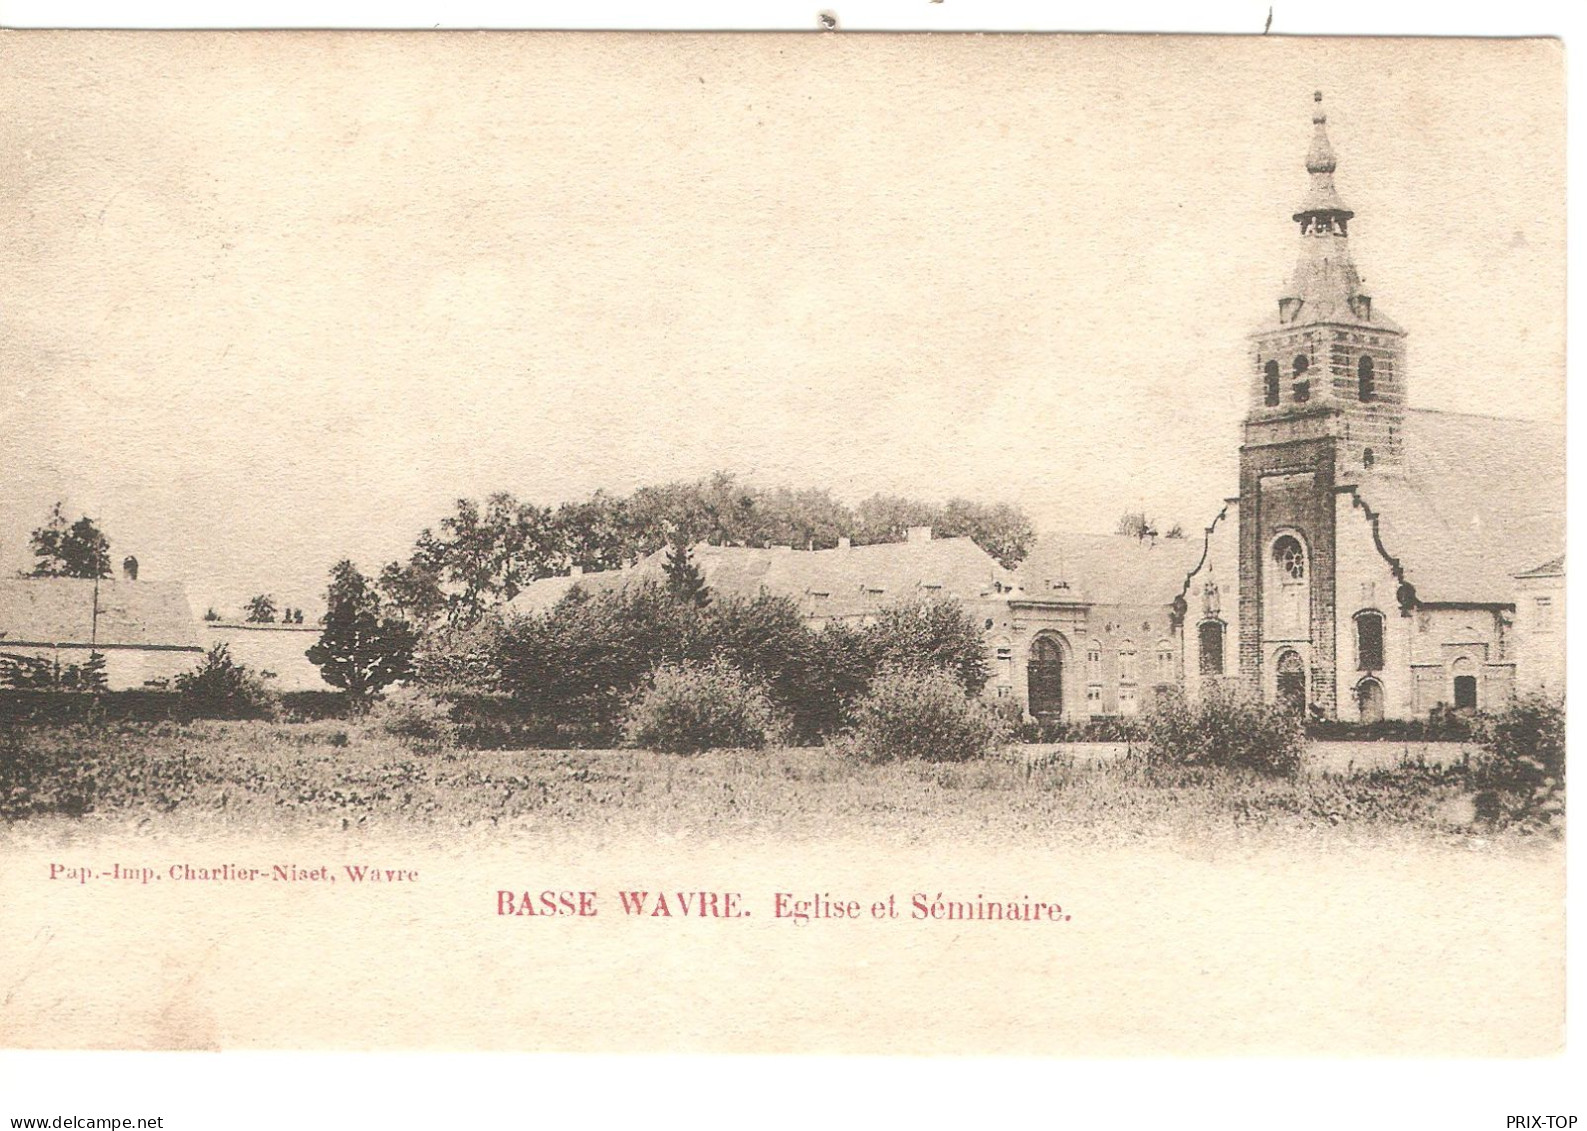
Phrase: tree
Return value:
(221, 688)
(261, 610)
(1175, 531)
(1136, 525)
(76, 549)
(1001, 530)
(362, 649)
(211, 615)
(481, 557)
(684, 579)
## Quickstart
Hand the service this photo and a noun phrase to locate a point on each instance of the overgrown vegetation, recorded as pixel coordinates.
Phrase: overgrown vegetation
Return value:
(1224, 730)
(922, 714)
(19, 672)
(335, 774)
(1521, 771)
(221, 688)
(580, 663)
(686, 708)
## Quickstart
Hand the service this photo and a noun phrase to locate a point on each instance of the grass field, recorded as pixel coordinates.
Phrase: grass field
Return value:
(327, 775)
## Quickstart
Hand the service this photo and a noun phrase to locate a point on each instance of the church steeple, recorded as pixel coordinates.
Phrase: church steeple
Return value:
(1330, 357)
(1322, 210)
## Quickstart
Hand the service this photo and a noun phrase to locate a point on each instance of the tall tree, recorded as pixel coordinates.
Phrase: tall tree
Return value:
(362, 648)
(480, 557)
(261, 609)
(684, 579)
(1001, 530)
(76, 549)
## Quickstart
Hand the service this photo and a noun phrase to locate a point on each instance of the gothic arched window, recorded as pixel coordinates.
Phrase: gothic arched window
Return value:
(1302, 386)
(1270, 384)
(1366, 380)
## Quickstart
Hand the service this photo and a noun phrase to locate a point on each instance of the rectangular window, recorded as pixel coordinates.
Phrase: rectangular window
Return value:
(1094, 699)
(1128, 703)
(1094, 665)
(1165, 666)
(1544, 621)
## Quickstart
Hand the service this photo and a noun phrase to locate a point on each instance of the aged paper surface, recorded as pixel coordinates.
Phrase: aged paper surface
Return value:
(277, 300)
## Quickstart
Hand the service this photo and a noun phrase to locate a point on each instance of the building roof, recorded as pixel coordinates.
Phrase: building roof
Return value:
(50, 611)
(1107, 569)
(1480, 500)
(837, 583)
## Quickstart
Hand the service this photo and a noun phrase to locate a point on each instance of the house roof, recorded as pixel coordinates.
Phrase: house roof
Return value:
(824, 583)
(48, 611)
(1107, 569)
(1480, 500)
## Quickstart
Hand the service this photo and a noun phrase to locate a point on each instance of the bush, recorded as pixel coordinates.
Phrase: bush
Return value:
(1521, 768)
(221, 688)
(1225, 730)
(929, 636)
(415, 718)
(685, 708)
(926, 715)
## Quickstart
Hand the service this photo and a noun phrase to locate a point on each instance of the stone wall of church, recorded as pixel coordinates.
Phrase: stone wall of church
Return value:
(1288, 487)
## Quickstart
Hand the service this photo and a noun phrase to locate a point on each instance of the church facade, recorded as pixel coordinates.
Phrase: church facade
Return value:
(1378, 561)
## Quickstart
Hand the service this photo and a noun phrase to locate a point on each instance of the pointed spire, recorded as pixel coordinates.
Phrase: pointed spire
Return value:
(1322, 210)
(1321, 158)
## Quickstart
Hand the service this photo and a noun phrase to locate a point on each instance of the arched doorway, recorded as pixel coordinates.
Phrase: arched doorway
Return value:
(1369, 700)
(1044, 676)
(1465, 673)
(1291, 682)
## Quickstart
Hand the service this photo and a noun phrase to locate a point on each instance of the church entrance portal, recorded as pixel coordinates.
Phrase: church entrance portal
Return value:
(1044, 676)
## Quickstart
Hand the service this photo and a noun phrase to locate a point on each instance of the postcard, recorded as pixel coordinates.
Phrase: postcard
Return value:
(882, 544)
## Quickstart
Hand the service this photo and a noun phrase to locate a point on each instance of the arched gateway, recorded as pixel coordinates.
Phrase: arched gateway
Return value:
(1044, 675)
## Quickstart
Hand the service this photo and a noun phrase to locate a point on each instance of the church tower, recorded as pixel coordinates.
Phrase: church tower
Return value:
(1326, 410)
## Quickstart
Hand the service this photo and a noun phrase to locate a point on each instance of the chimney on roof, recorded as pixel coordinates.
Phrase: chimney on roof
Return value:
(129, 568)
(920, 534)
(844, 543)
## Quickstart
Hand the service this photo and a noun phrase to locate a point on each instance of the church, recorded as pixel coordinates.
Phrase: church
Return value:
(1378, 561)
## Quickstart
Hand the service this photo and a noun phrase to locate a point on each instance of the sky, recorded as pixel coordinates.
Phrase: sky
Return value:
(267, 301)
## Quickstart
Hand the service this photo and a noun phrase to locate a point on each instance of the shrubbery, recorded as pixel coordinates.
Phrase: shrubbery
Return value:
(686, 708)
(221, 688)
(1224, 729)
(414, 717)
(1520, 772)
(922, 714)
(578, 664)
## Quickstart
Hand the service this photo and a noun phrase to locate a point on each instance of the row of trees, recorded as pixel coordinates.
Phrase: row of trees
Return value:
(484, 554)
